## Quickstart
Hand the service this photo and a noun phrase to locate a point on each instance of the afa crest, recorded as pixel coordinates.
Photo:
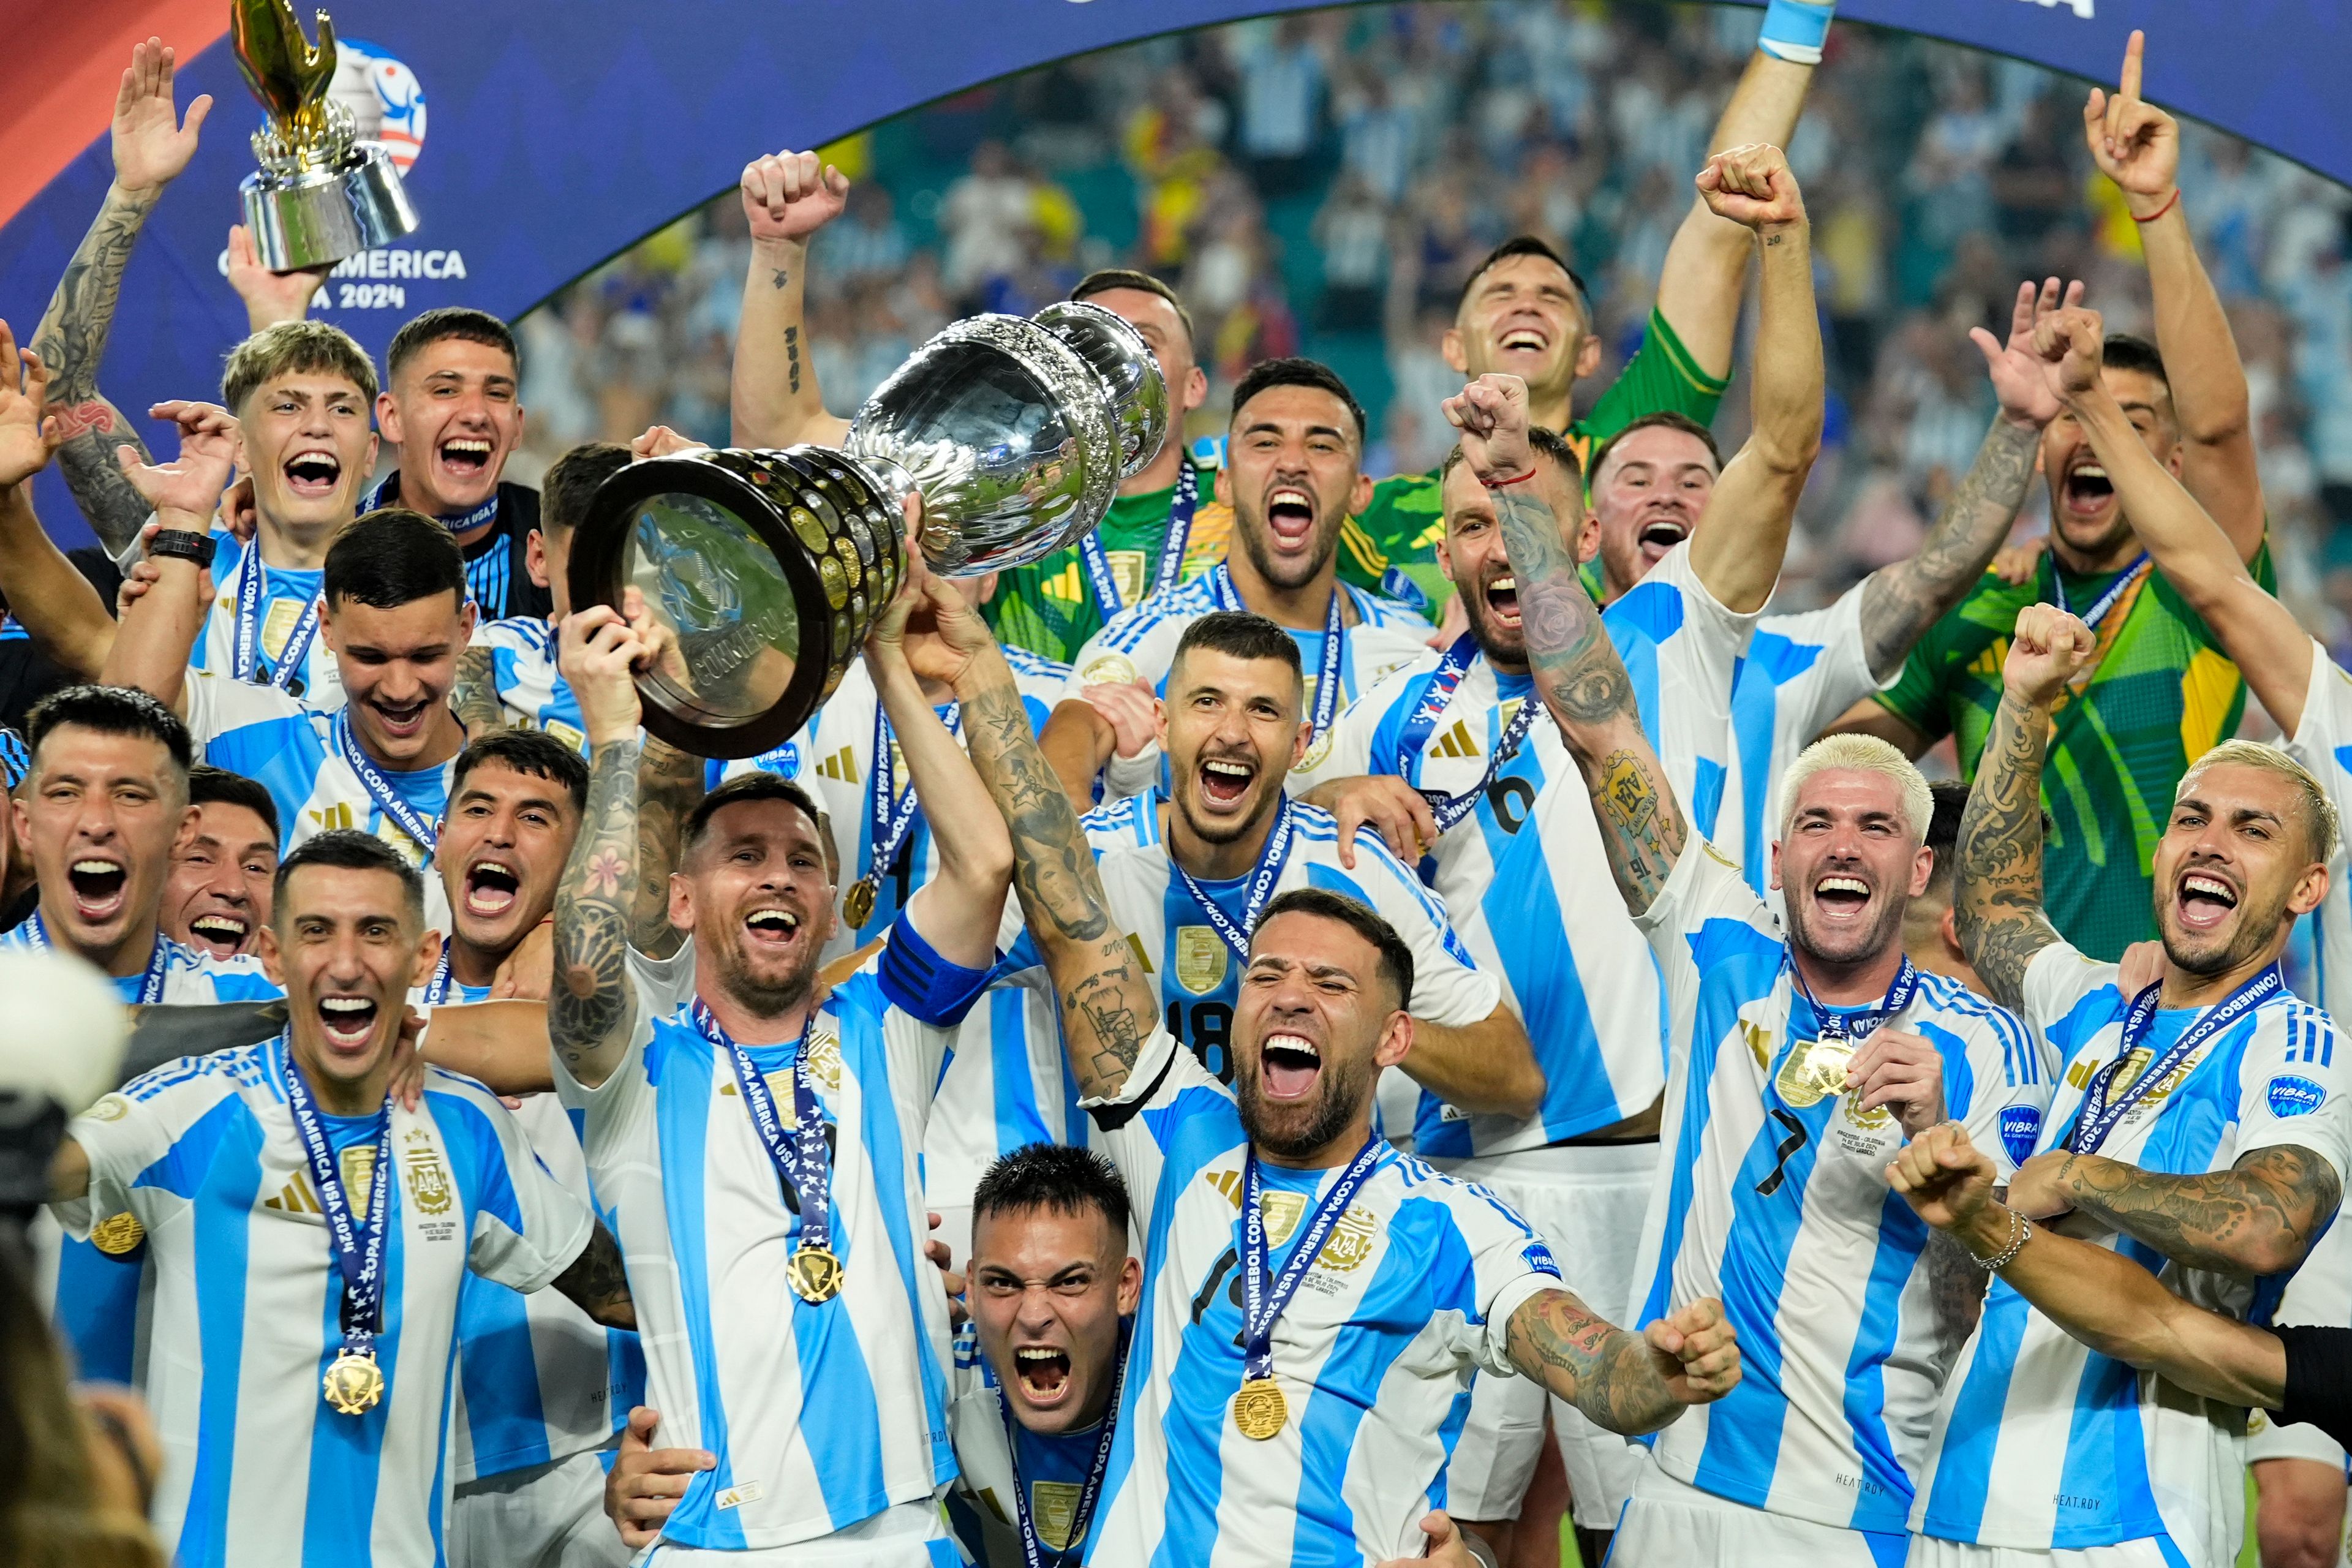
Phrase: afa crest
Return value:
(429, 1187)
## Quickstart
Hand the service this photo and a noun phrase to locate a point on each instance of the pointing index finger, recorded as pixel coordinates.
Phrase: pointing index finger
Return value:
(2134, 52)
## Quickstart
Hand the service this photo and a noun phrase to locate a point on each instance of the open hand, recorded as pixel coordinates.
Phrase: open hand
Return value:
(599, 652)
(1130, 708)
(269, 297)
(151, 144)
(29, 433)
(2018, 374)
(191, 483)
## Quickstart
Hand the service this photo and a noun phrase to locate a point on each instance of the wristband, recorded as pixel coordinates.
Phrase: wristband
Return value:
(2170, 203)
(1794, 30)
(185, 544)
(1514, 480)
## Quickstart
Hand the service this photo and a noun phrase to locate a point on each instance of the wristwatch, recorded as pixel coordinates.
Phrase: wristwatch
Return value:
(184, 543)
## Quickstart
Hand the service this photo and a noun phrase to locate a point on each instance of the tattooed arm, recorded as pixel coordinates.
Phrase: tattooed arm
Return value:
(670, 785)
(787, 197)
(475, 694)
(597, 1283)
(1626, 1382)
(1996, 894)
(2259, 1216)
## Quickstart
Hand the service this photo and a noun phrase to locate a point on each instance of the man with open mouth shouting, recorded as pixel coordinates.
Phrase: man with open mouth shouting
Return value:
(1314, 1302)
(2200, 1128)
(1795, 1069)
(218, 898)
(310, 1233)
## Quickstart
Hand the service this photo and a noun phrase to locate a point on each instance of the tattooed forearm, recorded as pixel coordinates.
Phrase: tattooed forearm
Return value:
(475, 694)
(598, 1284)
(1901, 603)
(590, 1005)
(1101, 1009)
(2258, 1218)
(71, 341)
(1997, 893)
(1956, 1290)
(670, 785)
(1601, 1369)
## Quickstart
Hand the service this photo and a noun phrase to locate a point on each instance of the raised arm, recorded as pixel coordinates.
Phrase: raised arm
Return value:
(2137, 146)
(787, 197)
(1623, 1382)
(55, 603)
(1997, 898)
(1900, 603)
(150, 146)
(1737, 548)
(2197, 556)
(164, 618)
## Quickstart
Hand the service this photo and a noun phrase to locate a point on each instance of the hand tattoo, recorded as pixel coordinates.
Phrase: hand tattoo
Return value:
(1899, 604)
(1997, 899)
(591, 1005)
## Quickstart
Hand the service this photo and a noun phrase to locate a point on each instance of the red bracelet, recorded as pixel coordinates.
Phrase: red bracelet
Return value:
(2168, 207)
(1514, 480)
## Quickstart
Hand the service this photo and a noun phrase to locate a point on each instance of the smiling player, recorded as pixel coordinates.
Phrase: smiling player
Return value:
(217, 899)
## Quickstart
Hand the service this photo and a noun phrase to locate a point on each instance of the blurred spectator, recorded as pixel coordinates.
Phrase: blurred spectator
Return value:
(1282, 102)
(988, 220)
(1353, 231)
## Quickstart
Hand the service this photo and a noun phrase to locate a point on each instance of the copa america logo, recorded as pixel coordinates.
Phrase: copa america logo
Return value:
(386, 101)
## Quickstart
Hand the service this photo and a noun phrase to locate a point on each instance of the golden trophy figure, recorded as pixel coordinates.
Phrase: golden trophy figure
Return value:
(322, 193)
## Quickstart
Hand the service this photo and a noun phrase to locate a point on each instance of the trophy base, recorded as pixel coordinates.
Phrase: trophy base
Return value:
(318, 218)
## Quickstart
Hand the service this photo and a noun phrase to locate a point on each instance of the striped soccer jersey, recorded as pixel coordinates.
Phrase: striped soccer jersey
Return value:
(995, 1454)
(1823, 1273)
(2042, 1445)
(284, 594)
(821, 1415)
(290, 749)
(2323, 743)
(1414, 1289)
(257, 1469)
(530, 689)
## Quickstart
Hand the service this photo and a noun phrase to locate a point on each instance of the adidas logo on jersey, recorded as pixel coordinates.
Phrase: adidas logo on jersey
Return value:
(841, 765)
(1457, 741)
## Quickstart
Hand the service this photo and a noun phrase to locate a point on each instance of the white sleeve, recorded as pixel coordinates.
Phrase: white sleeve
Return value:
(2292, 1089)
(217, 704)
(2327, 728)
(615, 1106)
(2010, 1088)
(1815, 698)
(1509, 1266)
(1448, 986)
(125, 1135)
(526, 1227)
(2057, 979)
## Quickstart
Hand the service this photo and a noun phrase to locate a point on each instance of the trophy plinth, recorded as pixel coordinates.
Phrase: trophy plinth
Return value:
(321, 194)
(769, 567)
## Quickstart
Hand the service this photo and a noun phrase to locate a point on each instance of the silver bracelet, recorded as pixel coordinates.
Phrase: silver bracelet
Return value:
(2020, 1228)
(1476, 1546)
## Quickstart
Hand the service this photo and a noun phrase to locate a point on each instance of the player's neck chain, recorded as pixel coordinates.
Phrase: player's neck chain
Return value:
(2125, 581)
(814, 1270)
(2104, 1108)
(387, 493)
(378, 789)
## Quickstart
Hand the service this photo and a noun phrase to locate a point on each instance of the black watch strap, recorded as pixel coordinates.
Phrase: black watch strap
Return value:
(184, 543)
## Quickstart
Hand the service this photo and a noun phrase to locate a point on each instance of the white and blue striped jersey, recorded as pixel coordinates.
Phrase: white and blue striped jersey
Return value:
(997, 1457)
(1199, 977)
(1007, 1082)
(821, 1415)
(1139, 644)
(2041, 1444)
(257, 1470)
(289, 749)
(523, 673)
(286, 593)
(191, 977)
(1801, 673)
(2323, 743)
(1413, 1291)
(1825, 1276)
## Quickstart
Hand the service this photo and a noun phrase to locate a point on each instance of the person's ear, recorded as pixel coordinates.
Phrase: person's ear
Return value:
(1947, 926)
(1451, 347)
(387, 418)
(1923, 869)
(1131, 1286)
(273, 961)
(1396, 1039)
(2309, 891)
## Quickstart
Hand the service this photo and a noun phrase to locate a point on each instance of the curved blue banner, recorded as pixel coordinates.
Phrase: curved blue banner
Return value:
(546, 135)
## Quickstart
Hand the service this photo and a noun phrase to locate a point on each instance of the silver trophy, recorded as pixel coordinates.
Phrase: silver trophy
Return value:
(322, 193)
(769, 566)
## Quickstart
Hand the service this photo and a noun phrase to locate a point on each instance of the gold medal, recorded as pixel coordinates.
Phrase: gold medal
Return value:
(815, 1273)
(118, 1234)
(353, 1383)
(857, 904)
(1259, 1409)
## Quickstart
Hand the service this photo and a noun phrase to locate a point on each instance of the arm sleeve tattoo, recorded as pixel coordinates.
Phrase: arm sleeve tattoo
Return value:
(598, 1284)
(1997, 900)
(71, 340)
(590, 1003)
(1606, 1373)
(475, 695)
(1901, 603)
(2259, 1216)
(670, 785)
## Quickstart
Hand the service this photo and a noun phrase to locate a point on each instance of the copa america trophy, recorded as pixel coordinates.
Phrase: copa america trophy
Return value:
(322, 193)
(769, 566)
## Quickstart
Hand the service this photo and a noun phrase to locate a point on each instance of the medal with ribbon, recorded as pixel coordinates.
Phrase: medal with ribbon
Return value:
(890, 817)
(2104, 1108)
(1082, 1516)
(245, 645)
(1451, 809)
(388, 799)
(1258, 892)
(1328, 676)
(814, 1270)
(151, 982)
(1172, 549)
(2106, 601)
(353, 1382)
(1259, 1408)
(1815, 1068)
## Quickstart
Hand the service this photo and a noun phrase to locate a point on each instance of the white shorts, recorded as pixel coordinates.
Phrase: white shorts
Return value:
(1927, 1551)
(1669, 1524)
(905, 1535)
(542, 1516)
(1587, 1202)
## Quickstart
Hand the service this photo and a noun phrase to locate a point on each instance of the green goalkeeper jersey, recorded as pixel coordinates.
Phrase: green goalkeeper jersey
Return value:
(1051, 606)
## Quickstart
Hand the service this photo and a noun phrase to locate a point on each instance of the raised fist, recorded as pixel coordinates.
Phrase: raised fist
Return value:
(1753, 186)
(2071, 345)
(790, 195)
(2047, 650)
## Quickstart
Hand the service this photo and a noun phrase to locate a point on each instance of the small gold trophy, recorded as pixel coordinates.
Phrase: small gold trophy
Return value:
(322, 193)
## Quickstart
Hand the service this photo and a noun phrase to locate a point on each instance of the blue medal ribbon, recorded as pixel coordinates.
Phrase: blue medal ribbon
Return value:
(799, 1157)
(1082, 1518)
(379, 788)
(1262, 1304)
(436, 990)
(245, 645)
(150, 983)
(1171, 547)
(358, 1252)
(2105, 602)
(2100, 1115)
(890, 815)
(1268, 872)
(1328, 680)
(1451, 809)
(1853, 1028)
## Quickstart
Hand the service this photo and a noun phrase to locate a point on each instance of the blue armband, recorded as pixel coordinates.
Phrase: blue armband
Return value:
(920, 983)
(1794, 30)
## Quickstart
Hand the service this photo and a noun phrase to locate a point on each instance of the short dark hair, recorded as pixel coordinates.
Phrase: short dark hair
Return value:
(1054, 1177)
(1103, 279)
(1293, 370)
(349, 849)
(1525, 244)
(1549, 443)
(109, 711)
(1396, 958)
(1944, 834)
(1666, 418)
(532, 752)
(572, 480)
(392, 557)
(218, 786)
(1240, 634)
(443, 323)
(2126, 350)
(757, 785)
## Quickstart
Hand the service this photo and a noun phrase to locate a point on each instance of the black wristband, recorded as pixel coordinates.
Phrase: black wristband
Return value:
(2318, 1378)
(184, 543)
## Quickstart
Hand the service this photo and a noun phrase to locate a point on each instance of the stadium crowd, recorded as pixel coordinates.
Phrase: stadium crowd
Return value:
(1404, 998)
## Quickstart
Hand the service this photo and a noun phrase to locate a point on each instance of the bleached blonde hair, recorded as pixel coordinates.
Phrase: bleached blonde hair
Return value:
(2319, 824)
(1860, 753)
